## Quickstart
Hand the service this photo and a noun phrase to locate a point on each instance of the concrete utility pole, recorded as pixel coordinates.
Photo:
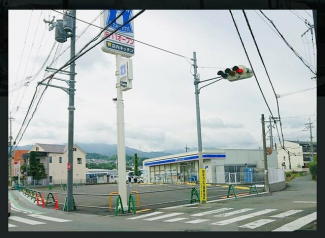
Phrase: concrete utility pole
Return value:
(198, 117)
(10, 148)
(122, 188)
(267, 189)
(71, 109)
(309, 126)
(271, 135)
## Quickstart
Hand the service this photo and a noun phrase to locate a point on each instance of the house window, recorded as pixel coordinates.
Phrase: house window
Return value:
(74, 149)
(37, 149)
(79, 160)
(60, 160)
(50, 179)
(50, 159)
(284, 158)
(38, 160)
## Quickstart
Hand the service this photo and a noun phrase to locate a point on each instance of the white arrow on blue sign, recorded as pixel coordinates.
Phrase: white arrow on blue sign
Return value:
(123, 70)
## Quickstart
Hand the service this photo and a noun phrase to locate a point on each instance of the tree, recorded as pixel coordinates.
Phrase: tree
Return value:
(313, 168)
(136, 173)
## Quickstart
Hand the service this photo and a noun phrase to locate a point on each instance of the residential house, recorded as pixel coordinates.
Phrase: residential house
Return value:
(55, 160)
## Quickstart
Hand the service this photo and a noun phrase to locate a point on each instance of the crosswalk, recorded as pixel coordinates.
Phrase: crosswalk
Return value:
(32, 219)
(229, 216)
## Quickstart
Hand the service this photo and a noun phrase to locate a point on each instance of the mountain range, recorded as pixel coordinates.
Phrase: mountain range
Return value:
(109, 150)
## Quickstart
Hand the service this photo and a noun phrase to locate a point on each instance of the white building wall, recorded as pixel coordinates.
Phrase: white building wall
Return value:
(296, 156)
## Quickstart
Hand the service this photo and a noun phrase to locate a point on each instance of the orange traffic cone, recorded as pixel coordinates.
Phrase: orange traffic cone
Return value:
(56, 202)
(43, 202)
(37, 199)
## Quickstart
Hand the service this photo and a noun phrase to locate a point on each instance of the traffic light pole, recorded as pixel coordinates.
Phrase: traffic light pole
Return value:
(71, 109)
(267, 189)
(198, 118)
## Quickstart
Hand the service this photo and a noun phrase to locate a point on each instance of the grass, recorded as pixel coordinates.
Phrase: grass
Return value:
(292, 175)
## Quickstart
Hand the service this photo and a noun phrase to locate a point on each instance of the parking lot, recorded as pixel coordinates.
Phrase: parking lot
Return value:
(94, 199)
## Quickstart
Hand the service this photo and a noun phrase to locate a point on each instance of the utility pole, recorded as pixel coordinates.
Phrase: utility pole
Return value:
(267, 189)
(10, 148)
(186, 148)
(122, 188)
(71, 109)
(198, 120)
(309, 126)
(271, 135)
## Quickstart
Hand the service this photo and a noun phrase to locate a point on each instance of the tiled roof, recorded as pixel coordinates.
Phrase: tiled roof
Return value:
(53, 148)
(18, 154)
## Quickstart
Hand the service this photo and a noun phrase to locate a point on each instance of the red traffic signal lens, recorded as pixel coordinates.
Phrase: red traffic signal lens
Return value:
(240, 71)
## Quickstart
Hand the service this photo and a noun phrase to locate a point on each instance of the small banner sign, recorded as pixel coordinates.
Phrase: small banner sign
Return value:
(203, 186)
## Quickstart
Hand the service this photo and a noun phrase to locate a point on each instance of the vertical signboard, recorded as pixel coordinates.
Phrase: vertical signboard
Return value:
(203, 186)
(122, 41)
(16, 168)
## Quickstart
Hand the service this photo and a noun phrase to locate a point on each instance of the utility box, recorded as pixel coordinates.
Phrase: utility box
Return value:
(67, 23)
(60, 33)
(126, 74)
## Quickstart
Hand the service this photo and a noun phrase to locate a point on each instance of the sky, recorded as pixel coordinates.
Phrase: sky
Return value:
(160, 109)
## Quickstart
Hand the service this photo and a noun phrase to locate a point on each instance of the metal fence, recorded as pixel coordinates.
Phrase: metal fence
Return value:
(257, 177)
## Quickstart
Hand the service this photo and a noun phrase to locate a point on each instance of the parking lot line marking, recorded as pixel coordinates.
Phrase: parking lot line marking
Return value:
(164, 216)
(197, 221)
(10, 225)
(257, 223)
(241, 187)
(244, 217)
(211, 212)
(145, 215)
(48, 218)
(144, 210)
(234, 212)
(286, 214)
(176, 219)
(297, 224)
(26, 221)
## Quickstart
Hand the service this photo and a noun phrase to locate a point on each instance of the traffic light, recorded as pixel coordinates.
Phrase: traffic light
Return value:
(236, 73)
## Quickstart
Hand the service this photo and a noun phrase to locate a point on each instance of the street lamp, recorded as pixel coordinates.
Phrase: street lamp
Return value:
(235, 73)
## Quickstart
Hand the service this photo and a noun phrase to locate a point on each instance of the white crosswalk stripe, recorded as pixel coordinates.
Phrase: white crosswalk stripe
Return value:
(234, 212)
(243, 217)
(48, 218)
(298, 223)
(211, 212)
(164, 216)
(197, 221)
(145, 215)
(176, 219)
(10, 225)
(286, 214)
(258, 223)
(26, 221)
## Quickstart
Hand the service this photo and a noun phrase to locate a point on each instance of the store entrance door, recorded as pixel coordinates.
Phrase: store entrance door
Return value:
(187, 170)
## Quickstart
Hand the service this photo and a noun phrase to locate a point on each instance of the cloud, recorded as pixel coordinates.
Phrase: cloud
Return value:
(217, 123)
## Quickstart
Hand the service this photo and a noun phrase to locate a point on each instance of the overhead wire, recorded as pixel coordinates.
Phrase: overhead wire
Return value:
(291, 93)
(28, 64)
(268, 76)
(251, 64)
(293, 50)
(141, 42)
(70, 62)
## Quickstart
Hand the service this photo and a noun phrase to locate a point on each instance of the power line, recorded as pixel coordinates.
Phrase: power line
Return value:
(141, 42)
(250, 64)
(287, 94)
(73, 59)
(259, 53)
(302, 60)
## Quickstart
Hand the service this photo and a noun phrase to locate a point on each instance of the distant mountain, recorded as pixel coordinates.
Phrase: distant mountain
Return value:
(109, 150)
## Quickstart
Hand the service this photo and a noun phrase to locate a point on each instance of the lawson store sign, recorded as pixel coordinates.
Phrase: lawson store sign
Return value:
(186, 158)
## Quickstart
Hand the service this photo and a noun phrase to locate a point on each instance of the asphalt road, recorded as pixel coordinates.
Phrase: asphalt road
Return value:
(291, 209)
